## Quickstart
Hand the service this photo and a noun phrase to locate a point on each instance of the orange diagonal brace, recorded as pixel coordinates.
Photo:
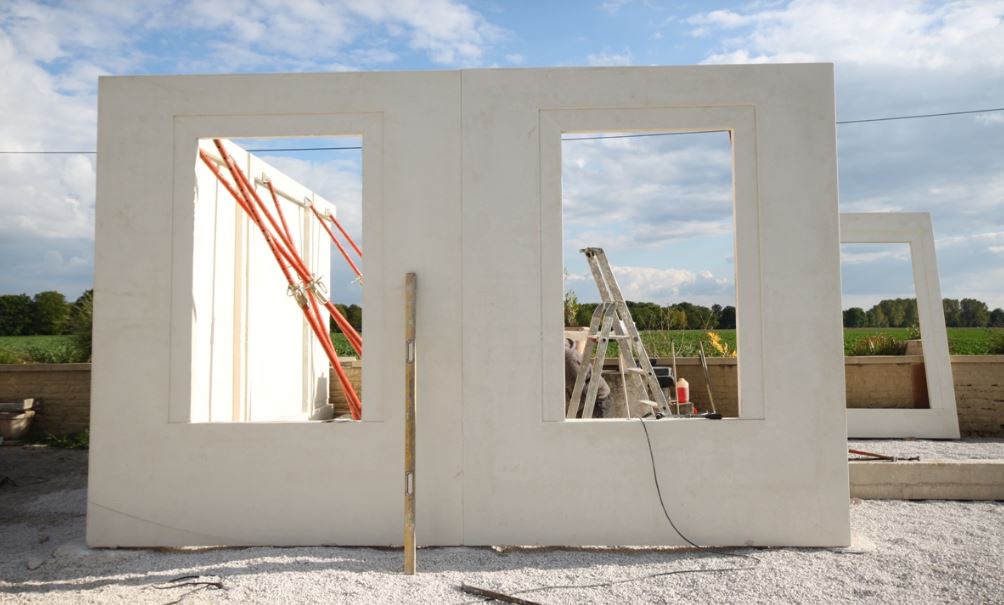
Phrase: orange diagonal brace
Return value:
(345, 233)
(338, 245)
(305, 298)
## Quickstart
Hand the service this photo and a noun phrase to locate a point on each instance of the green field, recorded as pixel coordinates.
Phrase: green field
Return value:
(40, 349)
(342, 346)
(961, 341)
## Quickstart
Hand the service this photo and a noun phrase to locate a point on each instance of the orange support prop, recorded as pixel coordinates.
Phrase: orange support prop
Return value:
(306, 299)
(338, 245)
(294, 260)
(344, 233)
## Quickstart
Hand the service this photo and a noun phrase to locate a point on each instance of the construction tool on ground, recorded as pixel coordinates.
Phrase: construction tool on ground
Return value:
(410, 410)
(707, 376)
(675, 398)
(872, 456)
(612, 321)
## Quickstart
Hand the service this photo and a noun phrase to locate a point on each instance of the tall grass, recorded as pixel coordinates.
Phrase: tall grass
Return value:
(41, 349)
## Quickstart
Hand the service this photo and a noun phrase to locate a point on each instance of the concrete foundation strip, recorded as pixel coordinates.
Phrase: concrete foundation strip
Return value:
(928, 480)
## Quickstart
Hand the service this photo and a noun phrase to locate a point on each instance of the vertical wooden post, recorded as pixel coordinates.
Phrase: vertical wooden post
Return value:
(410, 283)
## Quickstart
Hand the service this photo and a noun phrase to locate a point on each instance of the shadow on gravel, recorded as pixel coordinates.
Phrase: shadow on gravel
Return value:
(39, 473)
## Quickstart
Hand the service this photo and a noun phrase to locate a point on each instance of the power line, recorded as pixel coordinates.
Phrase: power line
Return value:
(48, 152)
(922, 115)
(839, 122)
(304, 149)
(589, 138)
(638, 136)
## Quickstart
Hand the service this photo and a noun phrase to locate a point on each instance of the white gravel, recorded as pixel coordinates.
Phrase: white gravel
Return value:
(923, 552)
(905, 552)
(973, 448)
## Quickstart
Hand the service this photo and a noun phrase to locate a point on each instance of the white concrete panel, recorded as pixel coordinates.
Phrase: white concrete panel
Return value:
(940, 421)
(157, 478)
(776, 476)
(454, 191)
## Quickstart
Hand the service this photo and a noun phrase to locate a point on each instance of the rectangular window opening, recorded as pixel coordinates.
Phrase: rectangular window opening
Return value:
(661, 207)
(256, 355)
(882, 338)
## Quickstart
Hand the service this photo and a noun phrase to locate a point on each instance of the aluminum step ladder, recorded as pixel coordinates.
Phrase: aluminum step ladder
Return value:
(612, 321)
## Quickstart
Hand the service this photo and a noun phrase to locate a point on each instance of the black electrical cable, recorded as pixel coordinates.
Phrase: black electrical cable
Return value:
(658, 489)
(669, 518)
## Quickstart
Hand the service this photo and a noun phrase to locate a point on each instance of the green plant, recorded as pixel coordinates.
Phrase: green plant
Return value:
(81, 321)
(10, 357)
(59, 353)
(878, 344)
(73, 441)
(995, 343)
(913, 332)
(571, 308)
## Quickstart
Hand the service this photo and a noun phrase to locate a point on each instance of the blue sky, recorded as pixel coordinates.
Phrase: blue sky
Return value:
(892, 58)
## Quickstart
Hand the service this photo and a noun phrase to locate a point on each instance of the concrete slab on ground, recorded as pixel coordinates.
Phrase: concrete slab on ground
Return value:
(928, 480)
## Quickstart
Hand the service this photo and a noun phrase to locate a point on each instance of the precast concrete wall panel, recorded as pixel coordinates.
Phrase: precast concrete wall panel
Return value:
(462, 186)
(776, 475)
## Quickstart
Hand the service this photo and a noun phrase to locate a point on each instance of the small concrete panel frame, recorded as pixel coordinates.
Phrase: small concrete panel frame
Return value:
(941, 421)
(464, 172)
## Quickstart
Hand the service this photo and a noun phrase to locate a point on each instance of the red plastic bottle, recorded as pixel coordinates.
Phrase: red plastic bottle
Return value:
(682, 390)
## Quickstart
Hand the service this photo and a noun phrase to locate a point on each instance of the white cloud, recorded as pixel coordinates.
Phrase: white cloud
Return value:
(634, 192)
(52, 55)
(860, 254)
(961, 36)
(665, 285)
(724, 19)
(612, 7)
(990, 118)
(900, 58)
(610, 58)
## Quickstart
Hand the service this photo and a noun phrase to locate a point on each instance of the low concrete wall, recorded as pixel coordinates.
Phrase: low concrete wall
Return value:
(64, 390)
(724, 384)
(895, 381)
(928, 480)
(872, 382)
(875, 382)
(354, 370)
(979, 394)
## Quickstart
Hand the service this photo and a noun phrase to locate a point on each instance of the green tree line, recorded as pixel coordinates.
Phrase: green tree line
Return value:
(49, 312)
(650, 316)
(45, 314)
(352, 313)
(902, 313)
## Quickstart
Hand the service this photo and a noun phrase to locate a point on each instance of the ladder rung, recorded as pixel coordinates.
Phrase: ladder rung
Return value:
(648, 402)
(635, 370)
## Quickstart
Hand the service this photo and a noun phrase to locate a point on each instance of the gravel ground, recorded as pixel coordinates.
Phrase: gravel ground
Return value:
(973, 448)
(904, 552)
